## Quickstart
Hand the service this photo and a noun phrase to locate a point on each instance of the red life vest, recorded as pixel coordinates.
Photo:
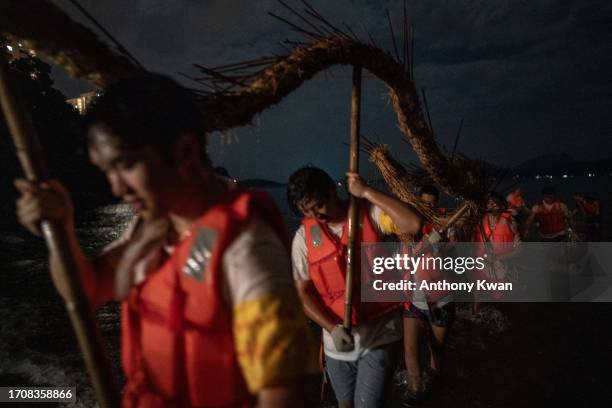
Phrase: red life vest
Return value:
(177, 337)
(551, 221)
(327, 268)
(501, 237)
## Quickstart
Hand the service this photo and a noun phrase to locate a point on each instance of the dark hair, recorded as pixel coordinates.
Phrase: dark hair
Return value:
(308, 183)
(147, 110)
(498, 198)
(549, 191)
(429, 189)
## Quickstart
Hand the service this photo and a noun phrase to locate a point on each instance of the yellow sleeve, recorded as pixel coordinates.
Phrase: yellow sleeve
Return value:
(273, 341)
(386, 224)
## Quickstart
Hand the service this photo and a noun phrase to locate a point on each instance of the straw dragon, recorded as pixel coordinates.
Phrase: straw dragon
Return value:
(233, 100)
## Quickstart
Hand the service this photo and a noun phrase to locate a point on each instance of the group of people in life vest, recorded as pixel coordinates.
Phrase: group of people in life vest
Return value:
(555, 222)
(215, 295)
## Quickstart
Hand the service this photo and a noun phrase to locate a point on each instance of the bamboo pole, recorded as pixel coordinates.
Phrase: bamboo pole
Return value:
(426, 245)
(353, 213)
(455, 217)
(81, 314)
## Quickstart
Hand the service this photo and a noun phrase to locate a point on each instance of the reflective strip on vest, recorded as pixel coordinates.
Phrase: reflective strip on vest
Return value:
(316, 235)
(201, 252)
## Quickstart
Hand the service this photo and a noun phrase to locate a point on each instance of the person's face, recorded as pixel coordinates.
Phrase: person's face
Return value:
(493, 206)
(323, 209)
(549, 198)
(141, 177)
(429, 200)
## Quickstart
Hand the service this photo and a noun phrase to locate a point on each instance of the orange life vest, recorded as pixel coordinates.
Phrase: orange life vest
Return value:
(177, 342)
(501, 240)
(501, 237)
(551, 220)
(327, 267)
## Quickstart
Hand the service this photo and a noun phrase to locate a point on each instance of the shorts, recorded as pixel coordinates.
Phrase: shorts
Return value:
(366, 381)
(436, 316)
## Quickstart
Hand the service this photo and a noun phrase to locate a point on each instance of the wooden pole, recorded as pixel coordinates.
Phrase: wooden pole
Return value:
(426, 245)
(455, 217)
(353, 213)
(81, 314)
(457, 139)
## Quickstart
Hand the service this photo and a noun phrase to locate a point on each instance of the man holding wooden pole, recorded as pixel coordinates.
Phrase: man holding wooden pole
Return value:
(210, 316)
(360, 340)
(57, 238)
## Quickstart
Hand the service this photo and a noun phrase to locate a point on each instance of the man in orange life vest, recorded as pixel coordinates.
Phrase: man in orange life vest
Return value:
(210, 316)
(497, 238)
(552, 216)
(496, 235)
(360, 362)
(427, 313)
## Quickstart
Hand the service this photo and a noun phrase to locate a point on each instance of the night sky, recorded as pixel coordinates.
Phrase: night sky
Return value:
(528, 77)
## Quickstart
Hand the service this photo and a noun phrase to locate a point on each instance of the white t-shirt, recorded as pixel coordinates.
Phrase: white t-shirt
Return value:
(376, 333)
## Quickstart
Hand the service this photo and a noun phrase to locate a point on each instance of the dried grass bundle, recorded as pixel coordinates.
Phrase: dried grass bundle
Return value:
(235, 92)
(402, 184)
(458, 176)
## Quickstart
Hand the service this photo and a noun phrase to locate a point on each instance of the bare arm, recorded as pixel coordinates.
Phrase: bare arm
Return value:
(88, 272)
(404, 217)
(51, 201)
(312, 305)
(310, 299)
(568, 217)
(528, 223)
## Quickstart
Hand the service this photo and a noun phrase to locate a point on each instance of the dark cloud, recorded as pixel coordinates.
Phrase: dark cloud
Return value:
(528, 77)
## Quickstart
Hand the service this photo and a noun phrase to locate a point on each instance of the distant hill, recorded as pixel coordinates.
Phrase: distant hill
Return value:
(548, 161)
(562, 164)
